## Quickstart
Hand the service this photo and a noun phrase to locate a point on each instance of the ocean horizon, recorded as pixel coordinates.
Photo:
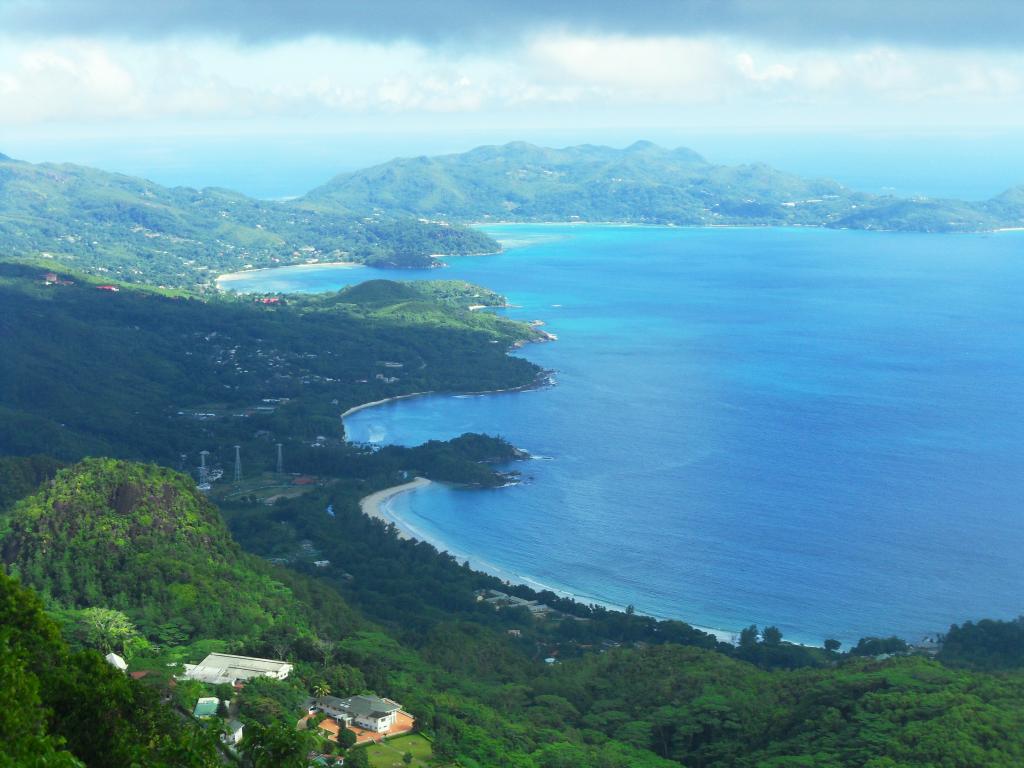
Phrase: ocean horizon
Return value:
(808, 428)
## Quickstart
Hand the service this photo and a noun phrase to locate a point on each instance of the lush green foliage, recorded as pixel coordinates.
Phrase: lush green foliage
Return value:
(133, 230)
(276, 746)
(131, 558)
(135, 373)
(21, 475)
(877, 646)
(483, 695)
(702, 710)
(139, 539)
(642, 183)
(987, 644)
(59, 708)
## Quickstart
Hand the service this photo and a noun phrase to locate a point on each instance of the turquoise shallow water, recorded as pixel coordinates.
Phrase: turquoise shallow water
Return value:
(821, 430)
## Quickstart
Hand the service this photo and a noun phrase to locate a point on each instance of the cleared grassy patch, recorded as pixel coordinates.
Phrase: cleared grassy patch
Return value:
(389, 753)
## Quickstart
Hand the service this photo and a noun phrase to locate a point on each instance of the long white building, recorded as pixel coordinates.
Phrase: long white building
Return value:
(227, 668)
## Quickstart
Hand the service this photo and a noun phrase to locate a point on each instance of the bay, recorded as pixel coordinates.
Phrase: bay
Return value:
(816, 429)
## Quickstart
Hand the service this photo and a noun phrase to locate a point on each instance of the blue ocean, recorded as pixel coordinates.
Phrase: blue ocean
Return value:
(822, 430)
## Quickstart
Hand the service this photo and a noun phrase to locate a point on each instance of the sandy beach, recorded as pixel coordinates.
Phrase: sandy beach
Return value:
(543, 379)
(371, 404)
(375, 505)
(245, 273)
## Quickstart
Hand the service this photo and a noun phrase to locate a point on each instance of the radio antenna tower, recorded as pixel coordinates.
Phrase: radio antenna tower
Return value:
(202, 467)
(280, 460)
(238, 464)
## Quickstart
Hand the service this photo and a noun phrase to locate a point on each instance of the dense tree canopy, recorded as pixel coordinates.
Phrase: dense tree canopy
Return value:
(142, 375)
(116, 538)
(483, 694)
(640, 183)
(133, 230)
(64, 709)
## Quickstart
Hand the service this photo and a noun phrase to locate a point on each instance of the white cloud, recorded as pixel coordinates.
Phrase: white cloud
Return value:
(83, 80)
(767, 74)
(607, 77)
(632, 67)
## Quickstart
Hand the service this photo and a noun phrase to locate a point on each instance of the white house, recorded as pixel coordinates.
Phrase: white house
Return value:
(227, 668)
(233, 735)
(368, 712)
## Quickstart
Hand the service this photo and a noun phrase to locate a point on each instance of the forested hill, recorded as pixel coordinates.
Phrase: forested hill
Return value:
(66, 709)
(141, 375)
(133, 230)
(642, 183)
(140, 539)
(131, 557)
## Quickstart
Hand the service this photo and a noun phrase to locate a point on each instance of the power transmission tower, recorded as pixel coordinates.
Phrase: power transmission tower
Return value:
(203, 472)
(280, 460)
(238, 464)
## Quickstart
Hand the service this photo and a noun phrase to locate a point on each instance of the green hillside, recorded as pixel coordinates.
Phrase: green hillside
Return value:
(133, 230)
(482, 695)
(138, 374)
(65, 709)
(108, 554)
(642, 183)
(404, 212)
(140, 539)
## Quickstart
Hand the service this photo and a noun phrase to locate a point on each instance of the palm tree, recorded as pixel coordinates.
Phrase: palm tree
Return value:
(321, 689)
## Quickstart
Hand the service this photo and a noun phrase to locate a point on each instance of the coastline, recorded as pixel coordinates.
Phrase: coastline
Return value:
(376, 505)
(543, 379)
(372, 403)
(410, 506)
(241, 274)
(229, 277)
(652, 225)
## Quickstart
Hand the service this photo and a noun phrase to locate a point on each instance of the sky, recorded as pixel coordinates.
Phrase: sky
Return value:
(334, 85)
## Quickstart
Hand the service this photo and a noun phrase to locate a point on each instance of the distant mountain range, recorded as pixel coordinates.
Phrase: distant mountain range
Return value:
(404, 212)
(643, 183)
(133, 230)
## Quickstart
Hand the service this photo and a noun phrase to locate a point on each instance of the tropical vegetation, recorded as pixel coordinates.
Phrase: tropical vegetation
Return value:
(643, 183)
(482, 693)
(133, 230)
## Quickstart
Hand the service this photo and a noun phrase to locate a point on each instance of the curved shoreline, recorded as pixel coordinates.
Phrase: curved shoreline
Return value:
(543, 379)
(372, 403)
(376, 505)
(241, 274)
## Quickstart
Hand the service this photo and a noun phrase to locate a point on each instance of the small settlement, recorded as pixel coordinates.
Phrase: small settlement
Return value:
(368, 717)
(499, 600)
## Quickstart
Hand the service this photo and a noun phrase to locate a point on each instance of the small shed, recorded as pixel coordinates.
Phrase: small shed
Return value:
(233, 734)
